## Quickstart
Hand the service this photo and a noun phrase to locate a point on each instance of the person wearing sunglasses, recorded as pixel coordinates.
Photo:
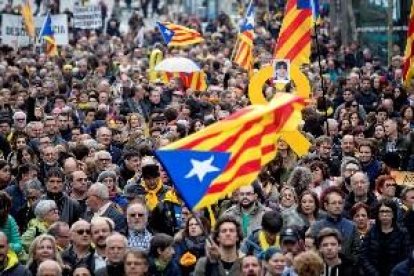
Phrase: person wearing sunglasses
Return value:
(137, 218)
(80, 252)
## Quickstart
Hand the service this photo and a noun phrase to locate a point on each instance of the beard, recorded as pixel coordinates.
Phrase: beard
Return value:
(246, 205)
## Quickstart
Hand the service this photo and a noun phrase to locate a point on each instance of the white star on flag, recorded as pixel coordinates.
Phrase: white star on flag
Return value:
(201, 168)
(250, 20)
(167, 32)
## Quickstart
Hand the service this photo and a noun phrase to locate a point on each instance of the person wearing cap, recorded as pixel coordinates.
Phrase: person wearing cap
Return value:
(291, 242)
(110, 179)
(261, 239)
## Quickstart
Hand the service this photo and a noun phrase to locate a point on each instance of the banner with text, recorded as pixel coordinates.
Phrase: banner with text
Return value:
(87, 17)
(14, 34)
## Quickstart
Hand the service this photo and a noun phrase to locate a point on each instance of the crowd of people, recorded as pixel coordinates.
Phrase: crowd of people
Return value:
(82, 193)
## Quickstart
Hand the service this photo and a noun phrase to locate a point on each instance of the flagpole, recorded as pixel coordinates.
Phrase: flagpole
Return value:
(238, 34)
(318, 53)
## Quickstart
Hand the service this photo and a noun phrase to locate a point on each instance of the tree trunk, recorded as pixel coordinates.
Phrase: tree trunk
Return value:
(352, 20)
(390, 28)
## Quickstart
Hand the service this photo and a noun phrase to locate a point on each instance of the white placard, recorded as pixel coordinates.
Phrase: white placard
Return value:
(14, 33)
(87, 17)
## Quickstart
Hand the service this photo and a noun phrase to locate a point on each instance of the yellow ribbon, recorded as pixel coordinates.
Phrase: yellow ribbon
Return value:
(151, 197)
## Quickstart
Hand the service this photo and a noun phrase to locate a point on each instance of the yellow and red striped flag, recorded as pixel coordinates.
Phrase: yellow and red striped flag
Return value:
(177, 35)
(244, 44)
(408, 71)
(196, 80)
(27, 15)
(229, 154)
(294, 42)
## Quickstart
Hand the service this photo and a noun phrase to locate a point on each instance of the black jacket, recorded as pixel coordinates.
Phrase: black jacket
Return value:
(69, 210)
(111, 270)
(350, 201)
(70, 259)
(345, 268)
(381, 252)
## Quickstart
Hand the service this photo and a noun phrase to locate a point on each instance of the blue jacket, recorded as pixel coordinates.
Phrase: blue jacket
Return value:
(351, 241)
(404, 268)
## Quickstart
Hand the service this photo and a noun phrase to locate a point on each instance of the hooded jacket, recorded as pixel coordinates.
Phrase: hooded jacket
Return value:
(13, 267)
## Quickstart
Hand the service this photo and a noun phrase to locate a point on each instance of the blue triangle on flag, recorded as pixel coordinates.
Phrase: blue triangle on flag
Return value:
(166, 33)
(192, 172)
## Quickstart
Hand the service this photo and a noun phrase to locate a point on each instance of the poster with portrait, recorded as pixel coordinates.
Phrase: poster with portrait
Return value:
(281, 69)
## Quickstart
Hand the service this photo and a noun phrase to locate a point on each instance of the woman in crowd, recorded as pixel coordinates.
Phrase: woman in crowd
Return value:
(44, 248)
(18, 141)
(386, 243)
(191, 247)
(46, 213)
(274, 262)
(109, 178)
(385, 187)
(8, 225)
(26, 155)
(136, 263)
(5, 175)
(360, 215)
(320, 177)
(306, 213)
(161, 256)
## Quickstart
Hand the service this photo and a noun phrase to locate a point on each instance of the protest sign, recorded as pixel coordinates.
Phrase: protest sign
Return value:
(87, 17)
(14, 33)
(403, 177)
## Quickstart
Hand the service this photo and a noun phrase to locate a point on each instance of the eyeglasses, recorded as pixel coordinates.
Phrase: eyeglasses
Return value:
(385, 211)
(104, 159)
(139, 215)
(390, 185)
(83, 231)
(53, 210)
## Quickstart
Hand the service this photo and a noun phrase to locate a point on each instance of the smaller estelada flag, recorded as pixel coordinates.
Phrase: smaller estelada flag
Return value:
(177, 35)
(409, 50)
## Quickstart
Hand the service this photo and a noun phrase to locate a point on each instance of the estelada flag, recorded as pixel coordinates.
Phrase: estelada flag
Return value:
(244, 44)
(409, 50)
(208, 165)
(177, 35)
(294, 42)
(197, 81)
(48, 35)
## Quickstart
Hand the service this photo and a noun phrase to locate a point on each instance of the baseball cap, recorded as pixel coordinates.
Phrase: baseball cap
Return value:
(289, 235)
(133, 190)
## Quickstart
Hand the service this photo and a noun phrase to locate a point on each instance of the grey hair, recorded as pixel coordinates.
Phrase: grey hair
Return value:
(102, 152)
(300, 178)
(115, 235)
(347, 160)
(43, 207)
(47, 263)
(33, 184)
(106, 174)
(101, 190)
(364, 175)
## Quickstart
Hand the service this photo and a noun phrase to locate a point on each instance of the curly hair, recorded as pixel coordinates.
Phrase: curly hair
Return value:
(226, 218)
(300, 178)
(308, 263)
